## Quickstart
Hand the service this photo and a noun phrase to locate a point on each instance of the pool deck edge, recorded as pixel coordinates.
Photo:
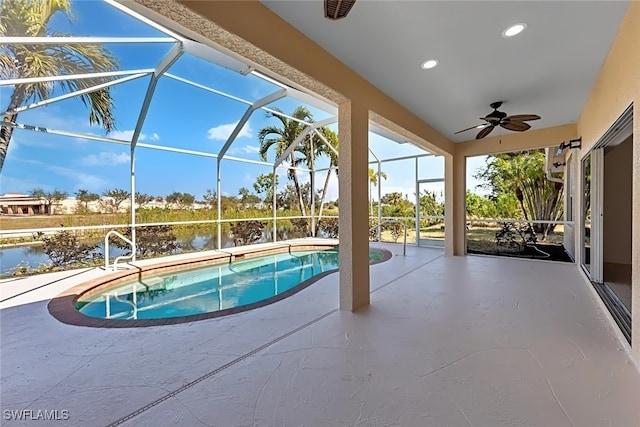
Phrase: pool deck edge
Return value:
(62, 307)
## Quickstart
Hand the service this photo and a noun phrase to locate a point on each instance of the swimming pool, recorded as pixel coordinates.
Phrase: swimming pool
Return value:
(213, 290)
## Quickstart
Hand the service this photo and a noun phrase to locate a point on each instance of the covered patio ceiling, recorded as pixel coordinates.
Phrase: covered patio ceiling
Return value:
(549, 69)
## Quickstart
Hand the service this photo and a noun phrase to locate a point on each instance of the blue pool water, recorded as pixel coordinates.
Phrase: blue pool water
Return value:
(209, 289)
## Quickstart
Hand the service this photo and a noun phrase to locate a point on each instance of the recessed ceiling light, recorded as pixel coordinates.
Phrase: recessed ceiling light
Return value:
(429, 64)
(514, 30)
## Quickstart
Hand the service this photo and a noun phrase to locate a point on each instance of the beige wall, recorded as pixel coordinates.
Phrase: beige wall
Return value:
(618, 162)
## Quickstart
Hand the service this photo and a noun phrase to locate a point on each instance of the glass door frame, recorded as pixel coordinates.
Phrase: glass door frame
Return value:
(592, 263)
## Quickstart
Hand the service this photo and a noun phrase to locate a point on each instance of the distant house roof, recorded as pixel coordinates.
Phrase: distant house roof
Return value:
(19, 198)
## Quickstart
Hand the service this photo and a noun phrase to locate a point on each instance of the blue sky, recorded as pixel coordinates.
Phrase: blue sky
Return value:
(180, 116)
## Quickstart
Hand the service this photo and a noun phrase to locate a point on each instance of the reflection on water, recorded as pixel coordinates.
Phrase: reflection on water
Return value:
(33, 255)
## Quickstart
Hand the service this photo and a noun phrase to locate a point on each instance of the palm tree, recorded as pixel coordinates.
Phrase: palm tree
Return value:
(524, 175)
(332, 139)
(281, 137)
(373, 180)
(31, 18)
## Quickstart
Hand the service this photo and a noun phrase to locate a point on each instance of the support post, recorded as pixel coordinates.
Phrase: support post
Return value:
(353, 122)
(132, 164)
(455, 205)
(379, 200)
(417, 206)
(218, 202)
(312, 176)
(274, 189)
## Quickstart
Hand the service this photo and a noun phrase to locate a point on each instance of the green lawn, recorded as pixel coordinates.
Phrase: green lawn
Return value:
(479, 238)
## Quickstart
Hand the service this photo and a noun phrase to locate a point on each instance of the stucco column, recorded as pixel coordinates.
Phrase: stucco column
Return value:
(455, 214)
(448, 206)
(353, 123)
(635, 239)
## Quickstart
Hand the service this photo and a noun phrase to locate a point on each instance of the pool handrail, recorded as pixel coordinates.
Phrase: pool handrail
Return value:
(132, 255)
(391, 221)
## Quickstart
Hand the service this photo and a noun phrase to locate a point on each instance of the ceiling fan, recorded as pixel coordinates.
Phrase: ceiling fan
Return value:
(514, 123)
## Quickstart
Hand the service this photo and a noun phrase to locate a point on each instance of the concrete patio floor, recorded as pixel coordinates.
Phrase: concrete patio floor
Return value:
(447, 341)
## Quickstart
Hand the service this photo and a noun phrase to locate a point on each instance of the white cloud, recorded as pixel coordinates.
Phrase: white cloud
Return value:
(90, 182)
(128, 134)
(247, 149)
(105, 158)
(222, 132)
(19, 185)
(83, 180)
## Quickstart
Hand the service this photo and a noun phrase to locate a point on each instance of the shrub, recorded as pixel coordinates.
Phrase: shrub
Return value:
(246, 232)
(300, 227)
(396, 229)
(151, 240)
(373, 230)
(329, 227)
(64, 249)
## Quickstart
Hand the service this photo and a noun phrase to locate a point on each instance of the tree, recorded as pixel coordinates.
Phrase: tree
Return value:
(282, 137)
(183, 200)
(53, 198)
(288, 197)
(264, 185)
(31, 18)
(211, 197)
(310, 148)
(85, 197)
(523, 175)
(332, 139)
(226, 202)
(142, 199)
(394, 204)
(373, 180)
(244, 193)
(113, 199)
(429, 205)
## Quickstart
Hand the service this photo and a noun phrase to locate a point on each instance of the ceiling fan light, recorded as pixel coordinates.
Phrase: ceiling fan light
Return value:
(337, 9)
(514, 30)
(431, 63)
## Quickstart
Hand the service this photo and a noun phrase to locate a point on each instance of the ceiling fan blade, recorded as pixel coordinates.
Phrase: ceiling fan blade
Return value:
(522, 117)
(472, 127)
(484, 132)
(515, 126)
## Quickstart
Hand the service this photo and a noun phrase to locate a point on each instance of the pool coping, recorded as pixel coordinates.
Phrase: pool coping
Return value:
(63, 306)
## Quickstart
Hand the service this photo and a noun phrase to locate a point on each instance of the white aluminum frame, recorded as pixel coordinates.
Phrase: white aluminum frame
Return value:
(181, 46)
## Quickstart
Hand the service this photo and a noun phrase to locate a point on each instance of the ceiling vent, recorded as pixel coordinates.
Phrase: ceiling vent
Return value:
(337, 9)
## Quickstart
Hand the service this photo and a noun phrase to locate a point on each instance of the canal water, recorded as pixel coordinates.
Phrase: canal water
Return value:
(33, 255)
